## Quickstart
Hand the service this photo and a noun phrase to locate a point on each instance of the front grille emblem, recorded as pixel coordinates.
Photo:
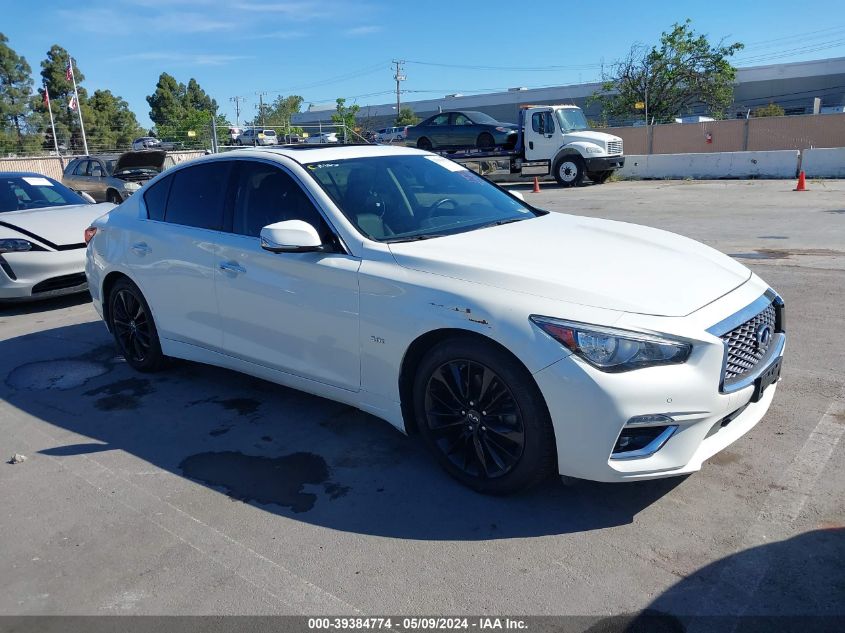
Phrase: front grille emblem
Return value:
(763, 336)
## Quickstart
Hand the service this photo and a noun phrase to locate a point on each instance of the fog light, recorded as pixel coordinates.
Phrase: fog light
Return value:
(652, 419)
(643, 441)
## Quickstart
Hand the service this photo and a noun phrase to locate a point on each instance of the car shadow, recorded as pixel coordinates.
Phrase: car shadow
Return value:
(284, 451)
(797, 584)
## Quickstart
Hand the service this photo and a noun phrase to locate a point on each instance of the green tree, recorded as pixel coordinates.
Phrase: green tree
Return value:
(167, 103)
(183, 113)
(344, 117)
(278, 114)
(110, 122)
(406, 117)
(772, 109)
(18, 122)
(53, 70)
(682, 71)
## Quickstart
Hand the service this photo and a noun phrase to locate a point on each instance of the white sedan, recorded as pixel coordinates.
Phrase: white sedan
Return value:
(516, 342)
(42, 226)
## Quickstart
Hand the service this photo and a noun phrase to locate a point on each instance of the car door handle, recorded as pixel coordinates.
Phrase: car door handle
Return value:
(141, 248)
(232, 267)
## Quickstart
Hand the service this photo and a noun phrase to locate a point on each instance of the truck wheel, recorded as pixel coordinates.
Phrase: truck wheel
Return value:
(485, 141)
(569, 170)
(424, 143)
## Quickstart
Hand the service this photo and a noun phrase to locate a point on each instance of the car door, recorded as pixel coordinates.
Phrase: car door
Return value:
(464, 131)
(541, 136)
(295, 312)
(170, 254)
(438, 130)
(77, 177)
(96, 181)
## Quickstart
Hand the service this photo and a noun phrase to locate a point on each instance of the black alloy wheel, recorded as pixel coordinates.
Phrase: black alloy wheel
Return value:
(482, 415)
(133, 328)
(485, 141)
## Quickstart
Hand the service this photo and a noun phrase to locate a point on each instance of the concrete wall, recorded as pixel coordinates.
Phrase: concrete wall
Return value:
(53, 166)
(777, 164)
(736, 135)
(824, 163)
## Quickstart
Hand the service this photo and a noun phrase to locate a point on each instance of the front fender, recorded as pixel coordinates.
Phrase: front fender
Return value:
(579, 148)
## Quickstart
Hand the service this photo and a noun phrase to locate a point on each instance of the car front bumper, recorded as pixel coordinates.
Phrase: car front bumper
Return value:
(42, 274)
(605, 163)
(590, 408)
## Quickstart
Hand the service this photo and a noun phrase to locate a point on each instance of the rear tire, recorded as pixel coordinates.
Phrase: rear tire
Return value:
(133, 328)
(424, 144)
(485, 141)
(569, 170)
(481, 414)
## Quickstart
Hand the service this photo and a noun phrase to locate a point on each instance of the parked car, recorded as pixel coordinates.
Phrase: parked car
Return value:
(321, 138)
(461, 129)
(396, 281)
(113, 179)
(257, 136)
(42, 227)
(146, 142)
(391, 134)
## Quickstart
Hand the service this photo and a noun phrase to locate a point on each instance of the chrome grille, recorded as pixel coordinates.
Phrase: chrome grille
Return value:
(744, 352)
(614, 147)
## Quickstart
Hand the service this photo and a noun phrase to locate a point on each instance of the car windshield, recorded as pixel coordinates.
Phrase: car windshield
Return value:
(480, 117)
(34, 192)
(405, 198)
(572, 120)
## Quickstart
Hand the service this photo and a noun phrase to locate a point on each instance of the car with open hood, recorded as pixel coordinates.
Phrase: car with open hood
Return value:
(115, 178)
(515, 341)
(42, 236)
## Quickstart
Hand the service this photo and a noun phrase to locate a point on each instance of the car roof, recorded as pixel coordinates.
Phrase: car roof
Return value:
(21, 174)
(303, 154)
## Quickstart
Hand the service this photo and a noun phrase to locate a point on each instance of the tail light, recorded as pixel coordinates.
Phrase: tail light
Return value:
(90, 232)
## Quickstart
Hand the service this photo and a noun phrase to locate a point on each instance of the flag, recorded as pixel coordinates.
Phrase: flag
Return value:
(69, 70)
(46, 97)
(72, 104)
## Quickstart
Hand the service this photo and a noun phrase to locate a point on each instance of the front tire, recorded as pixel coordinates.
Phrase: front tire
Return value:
(134, 329)
(485, 141)
(113, 197)
(483, 417)
(569, 170)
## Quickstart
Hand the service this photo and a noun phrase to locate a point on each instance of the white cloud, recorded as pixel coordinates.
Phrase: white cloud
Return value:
(367, 29)
(183, 59)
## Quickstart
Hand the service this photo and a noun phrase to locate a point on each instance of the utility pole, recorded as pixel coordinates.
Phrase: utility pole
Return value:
(261, 106)
(399, 77)
(237, 102)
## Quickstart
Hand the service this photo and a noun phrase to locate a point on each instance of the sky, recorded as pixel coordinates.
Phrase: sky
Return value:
(328, 49)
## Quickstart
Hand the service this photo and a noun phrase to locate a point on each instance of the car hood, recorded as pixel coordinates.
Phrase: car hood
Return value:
(141, 159)
(54, 226)
(588, 261)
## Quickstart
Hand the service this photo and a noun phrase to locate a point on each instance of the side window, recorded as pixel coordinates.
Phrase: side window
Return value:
(155, 198)
(82, 168)
(265, 194)
(537, 122)
(196, 195)
(96, 169)
(441, 119)
(71, 168)
(461, 119)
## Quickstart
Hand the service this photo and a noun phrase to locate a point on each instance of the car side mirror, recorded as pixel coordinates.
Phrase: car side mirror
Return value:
(87, 198)
(291, 236)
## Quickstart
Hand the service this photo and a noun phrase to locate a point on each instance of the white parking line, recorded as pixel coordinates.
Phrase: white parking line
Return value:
(733, 593)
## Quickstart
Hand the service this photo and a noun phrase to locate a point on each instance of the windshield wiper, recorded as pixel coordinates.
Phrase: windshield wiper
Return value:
(414, 238)
(499, 222)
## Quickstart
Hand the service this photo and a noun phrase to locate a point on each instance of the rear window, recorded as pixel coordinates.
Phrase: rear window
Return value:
(155, 199)
(269, 132)
(196, 196)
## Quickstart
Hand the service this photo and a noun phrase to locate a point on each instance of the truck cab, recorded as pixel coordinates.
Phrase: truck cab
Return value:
(561, 135)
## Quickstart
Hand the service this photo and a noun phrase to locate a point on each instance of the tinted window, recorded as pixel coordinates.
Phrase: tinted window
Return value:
(196, 196)
(264, 194)
(461, 119)
(71, 167)
(82, 168)
(155, 198)
(440, 119)
(480, 117)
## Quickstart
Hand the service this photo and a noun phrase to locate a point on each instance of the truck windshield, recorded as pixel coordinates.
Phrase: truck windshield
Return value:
(572, 120)
(406, 198)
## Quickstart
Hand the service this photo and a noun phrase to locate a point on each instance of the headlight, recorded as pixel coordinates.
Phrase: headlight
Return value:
(15, 246)
(504, 129)
(594, 150)
(131, 186)
(613, 350)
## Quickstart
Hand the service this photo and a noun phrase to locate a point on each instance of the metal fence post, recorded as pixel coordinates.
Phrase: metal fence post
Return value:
(214, 148)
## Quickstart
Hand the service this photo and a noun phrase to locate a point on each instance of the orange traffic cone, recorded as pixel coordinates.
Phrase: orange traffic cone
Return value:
(802, 184)
(536, 185)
